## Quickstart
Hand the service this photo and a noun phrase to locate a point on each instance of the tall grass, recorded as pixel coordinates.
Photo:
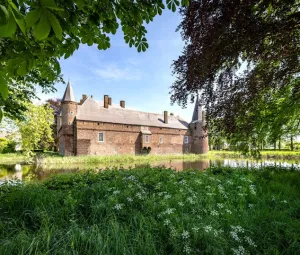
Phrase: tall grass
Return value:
(154, 211)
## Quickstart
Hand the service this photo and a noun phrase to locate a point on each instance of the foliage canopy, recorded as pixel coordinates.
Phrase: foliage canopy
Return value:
(243, 58)
(36, 129)
(34, 35)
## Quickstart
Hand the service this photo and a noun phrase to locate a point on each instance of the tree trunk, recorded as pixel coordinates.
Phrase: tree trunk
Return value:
(292, 143)
(275, 145)
(279, 145)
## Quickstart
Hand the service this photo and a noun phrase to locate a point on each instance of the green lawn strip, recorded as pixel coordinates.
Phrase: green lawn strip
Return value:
(154, 211)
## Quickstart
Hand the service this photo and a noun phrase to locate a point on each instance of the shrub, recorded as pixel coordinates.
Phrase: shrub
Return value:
(7, 145)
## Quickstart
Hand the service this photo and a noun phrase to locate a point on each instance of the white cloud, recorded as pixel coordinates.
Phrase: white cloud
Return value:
(112, 72)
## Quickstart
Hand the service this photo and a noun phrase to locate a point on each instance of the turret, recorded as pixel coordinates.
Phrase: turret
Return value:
(199, 134)
(69, 106)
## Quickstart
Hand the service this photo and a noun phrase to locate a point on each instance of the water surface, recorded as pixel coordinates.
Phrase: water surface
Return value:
(32, 172)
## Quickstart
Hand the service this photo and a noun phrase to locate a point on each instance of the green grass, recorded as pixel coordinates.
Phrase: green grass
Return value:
(154, 211)
(50, 159)
(13, 158)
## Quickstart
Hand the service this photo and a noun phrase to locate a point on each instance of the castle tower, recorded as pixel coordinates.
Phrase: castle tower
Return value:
(199, 134)
(68, 114)
(69, 106)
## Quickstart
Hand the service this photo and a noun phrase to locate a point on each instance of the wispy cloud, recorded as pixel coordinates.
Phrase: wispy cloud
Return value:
(113, 72)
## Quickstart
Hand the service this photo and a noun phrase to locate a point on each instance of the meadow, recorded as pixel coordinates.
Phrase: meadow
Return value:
(154, 211)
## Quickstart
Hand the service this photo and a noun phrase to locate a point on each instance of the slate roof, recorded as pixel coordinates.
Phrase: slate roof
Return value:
(69, 94)
(92, 110)
(197, 115)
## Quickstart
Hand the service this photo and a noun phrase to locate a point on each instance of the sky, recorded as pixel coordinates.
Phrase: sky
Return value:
(141, 79)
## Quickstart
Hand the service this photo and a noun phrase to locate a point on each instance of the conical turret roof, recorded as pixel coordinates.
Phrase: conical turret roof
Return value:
(69, 94)
(197, 115)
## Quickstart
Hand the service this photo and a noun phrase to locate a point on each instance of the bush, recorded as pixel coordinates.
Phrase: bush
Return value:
(146, 150)
(7, 145)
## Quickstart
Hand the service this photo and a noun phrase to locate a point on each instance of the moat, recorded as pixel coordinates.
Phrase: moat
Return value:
(33, 173)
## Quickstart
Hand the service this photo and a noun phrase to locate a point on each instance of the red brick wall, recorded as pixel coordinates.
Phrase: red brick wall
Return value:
(127, 139)
(66, 140)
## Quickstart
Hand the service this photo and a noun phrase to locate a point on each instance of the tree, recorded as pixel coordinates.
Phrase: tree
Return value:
(36, 129)
(240, 55)
(34, 35)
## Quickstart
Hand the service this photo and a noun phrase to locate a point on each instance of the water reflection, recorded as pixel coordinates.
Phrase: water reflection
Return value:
(31, 172)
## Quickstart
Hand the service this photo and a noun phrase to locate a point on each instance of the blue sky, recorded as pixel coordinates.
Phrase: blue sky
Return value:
(141, 79)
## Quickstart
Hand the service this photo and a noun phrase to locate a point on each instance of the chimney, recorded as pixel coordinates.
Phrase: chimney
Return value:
(122, 103)
(109, 101)
(82, 98)
(105, 101)
(166, 117)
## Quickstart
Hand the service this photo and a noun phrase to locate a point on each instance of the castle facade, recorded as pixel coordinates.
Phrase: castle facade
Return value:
(91, 127)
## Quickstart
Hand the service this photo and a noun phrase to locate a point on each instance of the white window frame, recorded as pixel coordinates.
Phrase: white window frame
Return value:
(161, 139)
(147, 139)
(186, 139)
(102, 137)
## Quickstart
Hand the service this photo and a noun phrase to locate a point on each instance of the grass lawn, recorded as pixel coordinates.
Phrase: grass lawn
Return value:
(154, 211)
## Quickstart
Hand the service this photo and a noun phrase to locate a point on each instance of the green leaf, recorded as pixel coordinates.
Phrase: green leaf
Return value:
(32, 17)
(42, 29)
(55, 25)
(20, 20)
(50, 4)
(3, 87)
(4, 15)
(22, 70)
(8, 29)
(80, 4)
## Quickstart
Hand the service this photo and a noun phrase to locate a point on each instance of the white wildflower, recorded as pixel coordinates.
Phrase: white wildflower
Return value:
(116, 192)
(180, 204)
(235, 236)
(169, 211)
(228, 211)
(284, 201)
(195, 229)
(129, 199)
(187, 249)
(167, 196)
(239, 251)
(214, 213)
(220, 205)
(185, 234)
(208, 228)
(167, 222)
(250, 241)
(191, 201)
(118, 207)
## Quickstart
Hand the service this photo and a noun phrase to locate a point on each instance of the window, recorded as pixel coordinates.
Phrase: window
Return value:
(71, 113)
(160, 140)
(186, 139)
(147, 138)
(101, 137)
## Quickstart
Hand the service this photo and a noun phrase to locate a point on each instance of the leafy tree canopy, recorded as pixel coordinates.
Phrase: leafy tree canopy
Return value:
(34, 34)
(243, 58)
(35, 129)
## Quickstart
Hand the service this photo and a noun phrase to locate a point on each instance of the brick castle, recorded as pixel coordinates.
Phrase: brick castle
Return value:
(93, 127)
